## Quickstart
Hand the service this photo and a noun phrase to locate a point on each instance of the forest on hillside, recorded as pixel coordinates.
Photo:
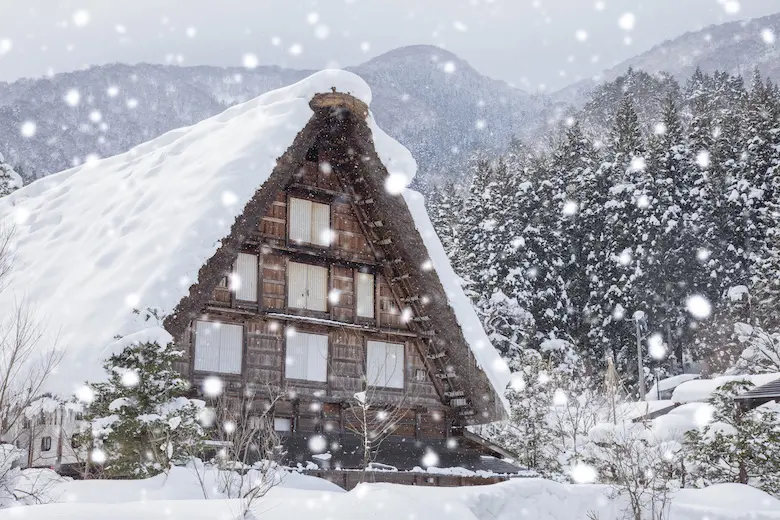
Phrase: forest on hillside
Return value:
(657, 202)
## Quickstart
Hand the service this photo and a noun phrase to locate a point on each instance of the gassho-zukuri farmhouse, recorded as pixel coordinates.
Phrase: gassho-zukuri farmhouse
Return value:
(280, 244)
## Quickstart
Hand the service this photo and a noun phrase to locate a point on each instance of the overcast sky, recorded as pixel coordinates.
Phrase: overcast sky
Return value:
(528, 43)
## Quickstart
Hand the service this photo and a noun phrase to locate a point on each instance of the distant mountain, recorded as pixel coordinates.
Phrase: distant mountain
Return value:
(735, 47)
(427, 98)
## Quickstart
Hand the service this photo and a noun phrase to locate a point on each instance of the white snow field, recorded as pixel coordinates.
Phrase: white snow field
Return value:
(179, 496)
(131, 231)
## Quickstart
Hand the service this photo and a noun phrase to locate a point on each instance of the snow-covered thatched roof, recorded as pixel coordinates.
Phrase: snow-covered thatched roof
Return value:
(95, 242)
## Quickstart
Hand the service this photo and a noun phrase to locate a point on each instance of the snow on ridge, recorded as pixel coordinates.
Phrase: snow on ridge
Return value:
(701, 389)
(128, 232)
(487, 356)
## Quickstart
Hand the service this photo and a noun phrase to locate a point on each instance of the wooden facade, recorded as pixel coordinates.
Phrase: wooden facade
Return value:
(327, 255)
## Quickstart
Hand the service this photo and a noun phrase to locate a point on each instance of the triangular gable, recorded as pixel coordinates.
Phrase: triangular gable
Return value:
(408, 261)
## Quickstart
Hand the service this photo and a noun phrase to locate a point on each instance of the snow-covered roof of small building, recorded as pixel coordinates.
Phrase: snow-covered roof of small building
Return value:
(667, 384)
(700, 390)
(132, 231)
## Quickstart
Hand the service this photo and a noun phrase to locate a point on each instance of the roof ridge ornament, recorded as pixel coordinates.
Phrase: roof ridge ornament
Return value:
(338, 100)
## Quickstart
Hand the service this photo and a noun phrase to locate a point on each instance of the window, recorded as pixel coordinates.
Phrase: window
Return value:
(45, 443)
(282, 424)
(365, 295)
(307, 287)
(309, 222)
(307, 356)
(385, 364)
(421, 375)
(26, 423)
(79, 416)
(244, 279)
(74, 441)
(42, 419)
(218, 347)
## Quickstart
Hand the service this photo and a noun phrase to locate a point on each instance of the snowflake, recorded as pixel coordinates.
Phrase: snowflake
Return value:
(600, 6)
(703, 159)
(130, 379)
(625, 257)
(703, 415)
(72, 97)
(212, 386)
(627, 21)
(730, 6)
(98, 456)
(85, 394)
(643, 201)
(296, 49)
(702, 254)
(28, 129)
(581, 35)
(207, 417)
(5, 46)
(583, 473)
(229, 427)
(480, 124)
(699, 307)
(121, 29)
(659, 129)
(365, 47)
(560, 398)
(317, 444)
(449, 67)
(112, 91)
(229, 198)
(132, 300)
(132, 103)
(276, 41)
(638, 164)
(395, 183)
(81, 18)
(430, 459)
(322, 31)
(191, 32)
(656, 347)
(312, 18)
(249, 60)
(95, 116)
(768, 35)
(334, 296)
(427, 265)
(570, 208)
(460, 26)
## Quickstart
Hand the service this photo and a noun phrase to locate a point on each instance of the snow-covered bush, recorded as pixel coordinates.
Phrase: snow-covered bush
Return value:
(638, 464)
(9, 474)
(139, 422)
(761, 352)
(737, 445)
(9, 179)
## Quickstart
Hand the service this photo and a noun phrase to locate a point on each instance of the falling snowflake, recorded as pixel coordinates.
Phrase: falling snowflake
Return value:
(312, 18)
(638, 164)
(112, 91)
(318, 444)
(72, 97)
(121, 29)
(643, 201)
(449, 67)
(480, 124)
(212, 386)
(365, 46)
(81, 18)
(276, 41)
(28, 129)
(132, 300)
(698, 306)
(95, 116)
(600, 6)
(207, 417)
(560, 398)
(132, 103)
(249, 60)
(322, 31)
(229, 198)
(768, 35)
(703, 159)
(583, 473)
(581, 35)
(296, 49)
(98, 456)
(460, 26)
(625, 257)
(430, 459)
(659, 129)
(191, 32)
(334, 296)
(85, 394)
(517, 383)
(130, 379)
(731, 6)
(703, 415)
(703, 255)
(5, 46)
(619, 312)
(427, 265)
(395, 183)
(570, 208)
(656, 347)
(229, 427)
(627, 21)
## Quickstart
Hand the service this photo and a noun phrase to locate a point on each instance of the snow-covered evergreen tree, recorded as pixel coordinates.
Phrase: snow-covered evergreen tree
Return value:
(140, 421)
(9, 179)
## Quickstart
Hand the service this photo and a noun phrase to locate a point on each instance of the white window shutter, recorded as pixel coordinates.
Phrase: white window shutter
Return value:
(296, 285)
(207, 346)
(246, 271)
(320, 224)
(219, 347)
(300, 220)
(317, 358)
(296, 363)
(317, 287)
(394, 365)
(365, 295)
(282, 424)
(375, 359)
(231, 348)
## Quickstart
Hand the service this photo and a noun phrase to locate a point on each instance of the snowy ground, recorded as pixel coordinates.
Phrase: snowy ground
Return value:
(179, 496)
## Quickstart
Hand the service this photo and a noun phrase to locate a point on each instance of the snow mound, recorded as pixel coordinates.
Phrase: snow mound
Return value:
(130, 232)
(702, 389)
(729, 497)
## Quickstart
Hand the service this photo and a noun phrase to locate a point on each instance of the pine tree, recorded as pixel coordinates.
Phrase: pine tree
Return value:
(139, 417)
(738, 445)
(444, 208)
(9, 179)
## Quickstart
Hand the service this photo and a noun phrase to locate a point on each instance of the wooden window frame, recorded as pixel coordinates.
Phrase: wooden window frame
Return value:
(314, 198)
(395, 389)
(45, 443)
(194, 334)
(308, 382)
